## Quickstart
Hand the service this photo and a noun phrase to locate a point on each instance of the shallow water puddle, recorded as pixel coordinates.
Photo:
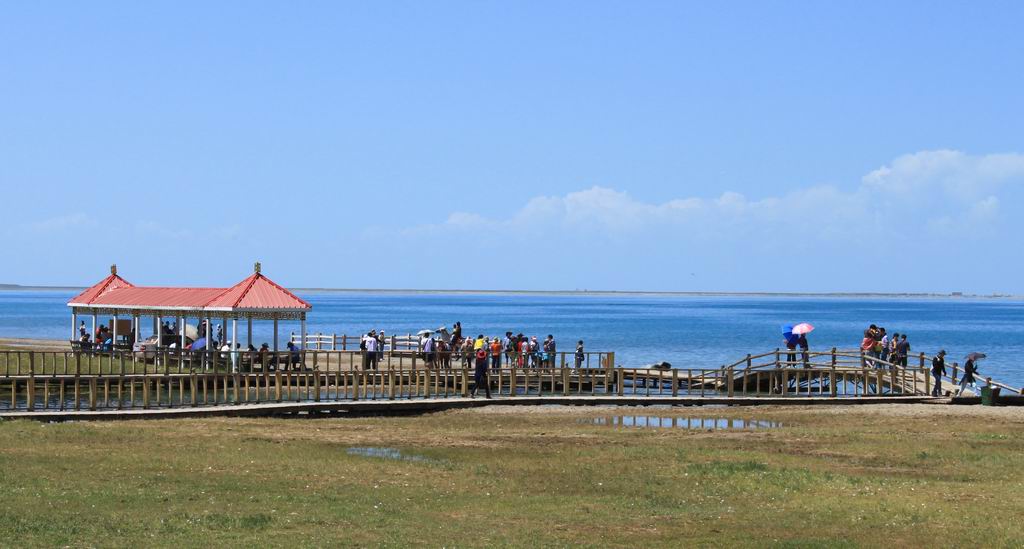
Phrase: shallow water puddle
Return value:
(386, 453)
(669, 422)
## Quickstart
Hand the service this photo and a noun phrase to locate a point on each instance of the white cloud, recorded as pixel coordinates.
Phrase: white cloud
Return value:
(956, 173)
(944, 190)
(61, 223)
(885, 231)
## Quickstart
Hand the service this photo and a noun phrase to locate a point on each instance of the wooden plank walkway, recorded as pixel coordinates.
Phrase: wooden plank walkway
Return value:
(401, 407)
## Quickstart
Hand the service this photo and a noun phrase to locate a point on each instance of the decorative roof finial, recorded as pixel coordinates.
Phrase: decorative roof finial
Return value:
(256, 267)
(113, 269)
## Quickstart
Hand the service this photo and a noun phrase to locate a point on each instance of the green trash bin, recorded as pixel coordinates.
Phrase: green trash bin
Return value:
(989, 395)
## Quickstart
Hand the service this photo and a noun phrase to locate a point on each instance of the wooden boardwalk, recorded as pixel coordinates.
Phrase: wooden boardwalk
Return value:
(400, 407)
(69, 385)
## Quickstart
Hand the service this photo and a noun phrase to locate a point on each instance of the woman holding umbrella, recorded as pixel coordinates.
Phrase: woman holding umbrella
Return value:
(969, 370)
(801, 330)
(789, 339)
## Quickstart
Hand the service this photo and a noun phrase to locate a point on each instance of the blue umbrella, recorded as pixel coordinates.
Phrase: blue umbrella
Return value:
(787, 334)
(199, 344)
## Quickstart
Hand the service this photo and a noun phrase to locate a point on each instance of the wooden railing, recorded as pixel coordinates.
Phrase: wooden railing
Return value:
(41, 380)
(919, 364)
(33, 381)
(320, 341)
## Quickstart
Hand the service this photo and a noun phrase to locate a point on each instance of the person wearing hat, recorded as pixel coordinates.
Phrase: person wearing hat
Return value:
(938, 370)
(480, 374)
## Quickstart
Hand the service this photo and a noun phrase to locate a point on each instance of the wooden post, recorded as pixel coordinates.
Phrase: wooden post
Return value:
(30, 387)
(675, 382)
(833, 358)
(465, 382)
(832, 374)
(120, 379)
(729, 378)
(277, 382)
(565, 378)
(610, 369)
(316, 385)
(93, 389)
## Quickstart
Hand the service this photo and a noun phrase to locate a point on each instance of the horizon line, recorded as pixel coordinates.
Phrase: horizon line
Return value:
(667, 293)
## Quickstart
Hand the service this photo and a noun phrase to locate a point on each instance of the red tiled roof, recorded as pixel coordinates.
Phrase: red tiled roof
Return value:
(258, 292)
(112, 282)
(255, 292)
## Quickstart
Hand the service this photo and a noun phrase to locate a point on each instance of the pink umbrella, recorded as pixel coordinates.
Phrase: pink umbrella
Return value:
(803, 328)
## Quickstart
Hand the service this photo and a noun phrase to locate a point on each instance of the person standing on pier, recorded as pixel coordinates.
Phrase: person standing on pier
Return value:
(882, 346)
(82, 331)
(969, 370)
(496, 350)
(790, 340)
(369, 347)
(456, 334)
(902, 350)
(938, 370)
(579, 355)
(549, 351)
(480, 374)
(804, 348)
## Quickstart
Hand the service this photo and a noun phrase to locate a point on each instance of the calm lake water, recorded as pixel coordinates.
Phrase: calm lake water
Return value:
(686, 331)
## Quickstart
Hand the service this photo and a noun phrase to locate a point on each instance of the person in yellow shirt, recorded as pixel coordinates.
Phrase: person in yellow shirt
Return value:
(479, 343)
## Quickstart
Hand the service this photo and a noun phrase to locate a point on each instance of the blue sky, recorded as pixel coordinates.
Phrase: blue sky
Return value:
(762, 146)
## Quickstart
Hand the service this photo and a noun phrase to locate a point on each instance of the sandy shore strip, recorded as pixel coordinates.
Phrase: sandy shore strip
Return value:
(28, 344)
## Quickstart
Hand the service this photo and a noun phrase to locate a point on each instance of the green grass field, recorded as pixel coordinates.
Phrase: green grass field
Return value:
(890, 475)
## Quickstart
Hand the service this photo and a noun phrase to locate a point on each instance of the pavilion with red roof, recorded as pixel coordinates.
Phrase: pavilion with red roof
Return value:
(256, 297)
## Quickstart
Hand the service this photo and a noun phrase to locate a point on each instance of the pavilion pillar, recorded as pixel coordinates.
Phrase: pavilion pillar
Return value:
(303, 334)
(207, 335)
(137, 327)
(93, 334)
(156, 328)
(275, 333)
(115, 330)
(234, 344)
(181, 331)
(249, 337)
(74, 324)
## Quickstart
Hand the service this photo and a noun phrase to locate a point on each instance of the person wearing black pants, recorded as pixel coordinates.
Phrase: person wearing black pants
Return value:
(938, 370)
(480, 374)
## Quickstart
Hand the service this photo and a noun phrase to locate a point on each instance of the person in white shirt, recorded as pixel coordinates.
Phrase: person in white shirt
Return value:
(371, 350)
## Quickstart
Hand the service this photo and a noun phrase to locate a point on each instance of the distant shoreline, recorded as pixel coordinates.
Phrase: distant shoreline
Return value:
(597, 293)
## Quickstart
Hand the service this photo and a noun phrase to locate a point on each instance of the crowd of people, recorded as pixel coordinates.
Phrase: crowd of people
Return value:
(881, 348)
(444, 349)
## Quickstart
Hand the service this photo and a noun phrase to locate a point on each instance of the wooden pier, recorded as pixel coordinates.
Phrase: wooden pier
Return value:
(166, 384)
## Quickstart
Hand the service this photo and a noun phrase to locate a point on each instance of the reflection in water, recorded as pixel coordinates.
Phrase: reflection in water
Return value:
(385, 453)
(671, 422)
